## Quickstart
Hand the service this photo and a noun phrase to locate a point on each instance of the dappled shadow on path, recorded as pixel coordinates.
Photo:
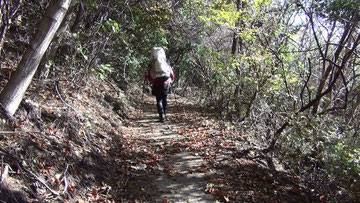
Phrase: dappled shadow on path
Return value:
(242, 180)
(147, 163)
(202, 156)
(180, 182)
(169, 173)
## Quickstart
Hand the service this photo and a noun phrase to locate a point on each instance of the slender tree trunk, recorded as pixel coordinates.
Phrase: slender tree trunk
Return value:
(326, 73)
(79, 17)
(236, 42)
(53, 47)
(15, 89)
(6, 13)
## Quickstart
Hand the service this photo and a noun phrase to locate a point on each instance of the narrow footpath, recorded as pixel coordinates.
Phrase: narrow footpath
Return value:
(193, 157)
(177, 175)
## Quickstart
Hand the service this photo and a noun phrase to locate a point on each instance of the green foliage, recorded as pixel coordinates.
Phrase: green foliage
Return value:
(82, 52)
(91, 4)
(222, 13)
(102, 70)
(323, 150)
(258, 4)
(346, 156)
(339, 10)
(111, 26)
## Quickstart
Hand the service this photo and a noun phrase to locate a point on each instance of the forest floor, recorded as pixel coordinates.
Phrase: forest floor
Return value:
(71, 144)
(194, 157)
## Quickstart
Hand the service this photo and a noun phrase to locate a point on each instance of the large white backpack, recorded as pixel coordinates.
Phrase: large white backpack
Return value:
(159, 67)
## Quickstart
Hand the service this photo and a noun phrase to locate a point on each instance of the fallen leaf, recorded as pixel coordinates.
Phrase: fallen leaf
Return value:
(57, 181)
(165, 201)
(94, 191)
(71, 188)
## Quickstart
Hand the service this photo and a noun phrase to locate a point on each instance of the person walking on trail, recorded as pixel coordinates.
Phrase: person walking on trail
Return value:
(161, 75)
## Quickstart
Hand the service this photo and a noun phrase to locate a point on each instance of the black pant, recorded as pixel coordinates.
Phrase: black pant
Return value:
(161, 91)
(161, 104)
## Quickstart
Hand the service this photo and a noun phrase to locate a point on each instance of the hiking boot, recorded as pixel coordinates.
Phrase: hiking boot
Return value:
(162, 118)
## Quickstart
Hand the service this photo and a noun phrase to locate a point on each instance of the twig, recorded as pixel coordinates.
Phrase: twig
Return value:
(4, 169)
(64, 173)
(66, 184)
(14, 132)
(106, 80)
(58, 93)
(27, 171)
(4, 172)
(63, 178)
(2, 165)
(41, 181)
(127, 180)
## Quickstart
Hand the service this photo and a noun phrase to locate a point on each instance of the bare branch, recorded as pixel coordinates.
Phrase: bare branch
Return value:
(306, 85)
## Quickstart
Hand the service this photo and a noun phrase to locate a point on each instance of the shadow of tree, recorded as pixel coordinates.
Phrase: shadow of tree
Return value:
(243, 180)
(9, 195)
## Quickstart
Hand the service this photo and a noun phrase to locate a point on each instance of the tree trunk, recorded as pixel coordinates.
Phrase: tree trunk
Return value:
(15, 89)
(235, 49)
(50, 53)
(79, 17)
(6, 13)
(326, 73)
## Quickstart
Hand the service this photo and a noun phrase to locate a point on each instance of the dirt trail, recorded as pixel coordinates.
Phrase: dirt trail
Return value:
(178, 177)
(193, 157)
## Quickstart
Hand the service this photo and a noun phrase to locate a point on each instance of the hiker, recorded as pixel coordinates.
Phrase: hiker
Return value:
(161, 75)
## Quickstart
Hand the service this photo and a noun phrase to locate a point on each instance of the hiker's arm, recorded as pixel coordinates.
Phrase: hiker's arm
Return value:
(172, 75)
(148, 75)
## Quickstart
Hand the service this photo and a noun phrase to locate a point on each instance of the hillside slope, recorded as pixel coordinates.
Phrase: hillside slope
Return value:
(61, 142)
